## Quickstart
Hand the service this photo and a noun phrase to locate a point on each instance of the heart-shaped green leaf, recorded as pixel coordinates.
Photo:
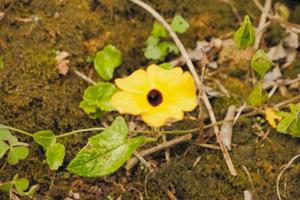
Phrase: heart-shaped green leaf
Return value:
(21, 185)
(44, 138)
(96, 99)
(106, 61)
(6, 135)
(261, 63)
(244, 37)
(258, 95)
(17, 153)
(158, 31)
(179, 24)
(55, 155)
(106, 152)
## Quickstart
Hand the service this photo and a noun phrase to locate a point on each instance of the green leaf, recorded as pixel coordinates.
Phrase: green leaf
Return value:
(258, 95)
(3, 148)
(245, 36)
(98, 96)
(152, 41)
(166, 65)
(6, 136)
(290, 123)
(6, 187)
(1, 64)
(106, 61)
(179, 24)
(285, 123)
(55, 155)
(106, 152)
(44, 138)
(261, 63)
(17, 153)
(158, 30)
(168, 47)
(21, 185)
(294, 128)
(153, 53)
(92, 110)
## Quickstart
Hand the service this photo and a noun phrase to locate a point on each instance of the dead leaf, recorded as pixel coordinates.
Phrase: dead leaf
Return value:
(272, 116)
(276, 52)
(271, 77)
(291, 40)
(62, 62)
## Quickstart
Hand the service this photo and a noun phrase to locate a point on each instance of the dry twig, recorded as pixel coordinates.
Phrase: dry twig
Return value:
(262, 23)
(133, 161)
(226, 128)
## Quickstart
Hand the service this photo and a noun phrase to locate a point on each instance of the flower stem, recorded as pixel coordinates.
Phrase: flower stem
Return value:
(80, 131)
(16, 130)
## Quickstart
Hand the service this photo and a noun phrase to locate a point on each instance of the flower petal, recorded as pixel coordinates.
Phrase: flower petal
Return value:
(162, 114)
(163, 78)
(130, 103)
(184, 95)
(137, 82)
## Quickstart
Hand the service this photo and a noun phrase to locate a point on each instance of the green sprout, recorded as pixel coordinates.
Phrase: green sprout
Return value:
(156, 49)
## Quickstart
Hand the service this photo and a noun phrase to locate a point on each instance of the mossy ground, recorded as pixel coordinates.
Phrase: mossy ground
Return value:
(33, 96)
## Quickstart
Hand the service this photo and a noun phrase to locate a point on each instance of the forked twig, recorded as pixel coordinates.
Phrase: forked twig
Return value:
(192, 69)
(262, 23)
(133, 161)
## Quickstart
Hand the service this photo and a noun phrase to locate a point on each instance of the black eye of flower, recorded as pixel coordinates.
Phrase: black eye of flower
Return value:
(154, 97)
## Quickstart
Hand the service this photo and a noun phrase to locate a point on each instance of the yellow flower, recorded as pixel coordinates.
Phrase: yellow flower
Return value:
(271, 116)
(158, 95)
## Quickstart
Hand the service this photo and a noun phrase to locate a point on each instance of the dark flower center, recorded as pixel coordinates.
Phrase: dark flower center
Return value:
(154, 97)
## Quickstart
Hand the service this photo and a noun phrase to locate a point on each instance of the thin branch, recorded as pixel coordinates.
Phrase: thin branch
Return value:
(262, 23)
(84, 77)
(217, 134)
(192, 69)
(133, 161)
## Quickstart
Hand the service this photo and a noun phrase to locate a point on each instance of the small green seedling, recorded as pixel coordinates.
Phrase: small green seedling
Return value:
(156, 49)
(16, 150)
(106, 61)
(179, 24)
(244, 38)
(19, 186)
(96, 99)
(261, 64)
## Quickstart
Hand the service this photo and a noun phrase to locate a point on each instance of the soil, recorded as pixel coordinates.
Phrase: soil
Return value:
(34, 96)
